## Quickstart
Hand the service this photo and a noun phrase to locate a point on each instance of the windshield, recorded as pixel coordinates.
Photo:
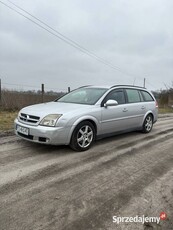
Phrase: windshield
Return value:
(87, 96)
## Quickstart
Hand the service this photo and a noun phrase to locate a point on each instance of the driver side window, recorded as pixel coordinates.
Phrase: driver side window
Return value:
(117, 95)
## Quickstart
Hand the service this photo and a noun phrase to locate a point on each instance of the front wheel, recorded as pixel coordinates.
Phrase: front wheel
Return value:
(83, 136)
(148, 124)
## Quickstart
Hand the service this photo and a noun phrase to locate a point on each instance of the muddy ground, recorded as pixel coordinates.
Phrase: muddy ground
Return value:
(54, 188)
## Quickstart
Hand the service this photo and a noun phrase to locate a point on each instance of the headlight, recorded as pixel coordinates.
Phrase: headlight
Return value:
(50, 120)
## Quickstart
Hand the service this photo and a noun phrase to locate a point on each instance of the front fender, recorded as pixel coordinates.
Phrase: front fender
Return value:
(79, 120)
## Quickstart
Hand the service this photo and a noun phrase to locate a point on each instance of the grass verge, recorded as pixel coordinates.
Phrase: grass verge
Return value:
(7, 120)
(165, 110)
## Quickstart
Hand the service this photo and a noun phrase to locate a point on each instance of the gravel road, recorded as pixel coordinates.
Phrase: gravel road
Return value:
(55, 188)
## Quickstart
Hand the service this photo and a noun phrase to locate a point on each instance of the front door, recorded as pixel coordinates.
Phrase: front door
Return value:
(114, 118)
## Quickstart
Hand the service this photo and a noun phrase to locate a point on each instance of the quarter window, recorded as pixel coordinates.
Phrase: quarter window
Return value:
(147, 96)
(133, 95)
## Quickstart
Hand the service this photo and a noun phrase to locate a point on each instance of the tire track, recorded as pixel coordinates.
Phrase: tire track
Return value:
(43, 187)
(36, 171)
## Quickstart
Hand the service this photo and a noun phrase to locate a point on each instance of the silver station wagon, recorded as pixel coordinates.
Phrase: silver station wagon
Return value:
(86, 114)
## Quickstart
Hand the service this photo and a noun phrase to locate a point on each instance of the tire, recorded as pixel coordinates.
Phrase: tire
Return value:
(148, 124)
(83, 136)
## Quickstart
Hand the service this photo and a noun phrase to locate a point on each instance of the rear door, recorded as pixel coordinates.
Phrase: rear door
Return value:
(136, 108)
(149, 103)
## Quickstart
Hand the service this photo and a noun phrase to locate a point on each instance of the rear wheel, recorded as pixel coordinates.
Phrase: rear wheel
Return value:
(83, 136)
(148, 124)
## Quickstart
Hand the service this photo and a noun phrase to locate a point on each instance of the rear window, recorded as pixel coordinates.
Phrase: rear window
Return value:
(147, 96)
(133, 95)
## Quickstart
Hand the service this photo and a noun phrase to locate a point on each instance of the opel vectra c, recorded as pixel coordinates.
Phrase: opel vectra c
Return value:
(86, 114)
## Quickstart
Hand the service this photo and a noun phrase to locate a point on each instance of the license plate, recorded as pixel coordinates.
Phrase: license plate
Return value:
(23, 130)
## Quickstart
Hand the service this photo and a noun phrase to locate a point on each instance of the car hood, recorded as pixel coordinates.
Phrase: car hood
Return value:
(44, 109)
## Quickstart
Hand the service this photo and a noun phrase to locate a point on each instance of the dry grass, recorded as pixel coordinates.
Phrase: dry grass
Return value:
(165, 110)
(7, 120)
(13, 100)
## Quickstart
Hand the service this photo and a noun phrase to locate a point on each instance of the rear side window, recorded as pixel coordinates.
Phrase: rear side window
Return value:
(147, 96)
(133, 95)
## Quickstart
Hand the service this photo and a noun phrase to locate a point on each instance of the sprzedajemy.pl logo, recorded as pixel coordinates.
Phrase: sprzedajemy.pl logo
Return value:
(139, 219)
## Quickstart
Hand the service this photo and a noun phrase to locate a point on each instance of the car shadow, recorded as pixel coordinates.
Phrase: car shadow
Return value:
(39, 148)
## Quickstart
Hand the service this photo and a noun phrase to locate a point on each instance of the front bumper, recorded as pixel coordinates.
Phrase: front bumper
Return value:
(44, 134)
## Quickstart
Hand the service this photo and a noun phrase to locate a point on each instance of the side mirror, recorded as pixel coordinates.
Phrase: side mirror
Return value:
(110, 103)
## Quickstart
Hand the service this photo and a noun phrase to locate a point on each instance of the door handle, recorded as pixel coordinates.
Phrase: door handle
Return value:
(143, 107)
(125, 110)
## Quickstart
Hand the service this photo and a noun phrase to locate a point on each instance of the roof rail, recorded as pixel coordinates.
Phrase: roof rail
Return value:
(128, 86)
(83, 86)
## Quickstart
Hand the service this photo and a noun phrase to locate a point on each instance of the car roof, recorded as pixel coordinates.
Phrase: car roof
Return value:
(113, 86)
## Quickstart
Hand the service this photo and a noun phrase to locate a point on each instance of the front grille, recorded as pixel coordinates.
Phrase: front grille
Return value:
(28, 118)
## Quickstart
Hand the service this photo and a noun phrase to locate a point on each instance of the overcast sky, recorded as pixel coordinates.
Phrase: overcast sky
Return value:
(135, 36)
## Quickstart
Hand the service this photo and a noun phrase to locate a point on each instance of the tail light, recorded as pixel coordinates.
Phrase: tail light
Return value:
(156, 104)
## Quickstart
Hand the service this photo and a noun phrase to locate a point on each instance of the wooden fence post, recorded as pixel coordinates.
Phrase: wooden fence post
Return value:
(42, 92)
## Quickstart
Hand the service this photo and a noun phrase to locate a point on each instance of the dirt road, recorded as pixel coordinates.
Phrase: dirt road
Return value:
(54, 188)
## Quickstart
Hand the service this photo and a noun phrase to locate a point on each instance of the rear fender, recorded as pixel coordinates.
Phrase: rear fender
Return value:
(148, 112)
